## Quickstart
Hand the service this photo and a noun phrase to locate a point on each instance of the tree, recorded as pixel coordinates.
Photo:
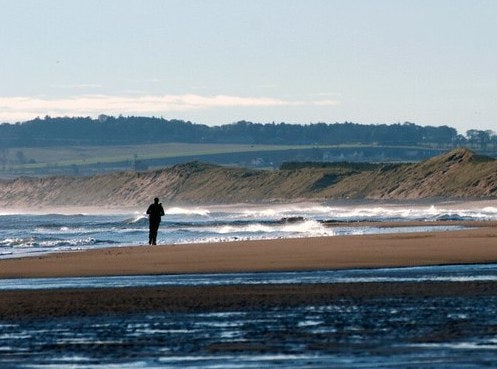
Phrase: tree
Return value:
(479, 138)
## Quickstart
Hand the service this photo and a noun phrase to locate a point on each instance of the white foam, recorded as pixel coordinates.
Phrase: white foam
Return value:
(138, 217)
(459, 345)
(187, 211)
(359, 212)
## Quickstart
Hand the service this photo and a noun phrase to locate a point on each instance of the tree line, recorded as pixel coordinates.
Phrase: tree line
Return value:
(109, 130)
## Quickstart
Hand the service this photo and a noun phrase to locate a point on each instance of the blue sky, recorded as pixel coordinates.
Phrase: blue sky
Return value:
(216, 62)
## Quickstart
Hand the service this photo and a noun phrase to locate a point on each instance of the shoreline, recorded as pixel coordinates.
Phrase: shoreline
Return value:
(476, 244)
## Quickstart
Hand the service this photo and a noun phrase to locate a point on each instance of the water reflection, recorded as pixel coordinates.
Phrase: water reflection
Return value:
(440, 273)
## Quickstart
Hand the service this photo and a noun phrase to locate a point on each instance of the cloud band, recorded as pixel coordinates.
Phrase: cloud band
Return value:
(14, 109)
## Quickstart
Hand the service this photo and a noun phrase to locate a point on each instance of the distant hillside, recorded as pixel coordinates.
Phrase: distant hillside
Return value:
(456, 174)
(86, 146)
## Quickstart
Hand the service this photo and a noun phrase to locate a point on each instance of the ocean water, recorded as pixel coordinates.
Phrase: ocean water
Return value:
(30, 233)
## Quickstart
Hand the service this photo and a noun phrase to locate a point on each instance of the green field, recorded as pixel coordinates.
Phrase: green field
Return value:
(35, 158)
(94, 159)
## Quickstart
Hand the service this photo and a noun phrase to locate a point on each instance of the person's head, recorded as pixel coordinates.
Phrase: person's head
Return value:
(156, 200)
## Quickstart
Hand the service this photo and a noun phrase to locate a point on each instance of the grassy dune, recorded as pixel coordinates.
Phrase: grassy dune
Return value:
(456, 174)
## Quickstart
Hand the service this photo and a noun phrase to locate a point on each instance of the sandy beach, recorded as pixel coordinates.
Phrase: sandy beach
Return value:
(477, 244)
(472, 245)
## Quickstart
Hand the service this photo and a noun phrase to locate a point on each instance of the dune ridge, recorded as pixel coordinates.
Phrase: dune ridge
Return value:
(458, 174)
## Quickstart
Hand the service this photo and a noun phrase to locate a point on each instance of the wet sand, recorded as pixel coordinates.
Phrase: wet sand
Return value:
(474, 245)
(15, 305)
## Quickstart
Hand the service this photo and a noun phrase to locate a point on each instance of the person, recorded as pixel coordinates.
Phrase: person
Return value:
(155, 211)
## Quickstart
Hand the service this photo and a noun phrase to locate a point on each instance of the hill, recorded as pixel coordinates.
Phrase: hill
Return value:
(459, 173)
(85, 146)
(107, 131)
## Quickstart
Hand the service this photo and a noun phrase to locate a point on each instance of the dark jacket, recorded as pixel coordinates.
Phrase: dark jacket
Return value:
(155, 211)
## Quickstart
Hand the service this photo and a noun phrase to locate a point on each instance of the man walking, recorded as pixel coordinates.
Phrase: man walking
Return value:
(155, 211)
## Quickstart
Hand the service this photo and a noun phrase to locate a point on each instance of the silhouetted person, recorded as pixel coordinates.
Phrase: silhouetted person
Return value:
(155, 211)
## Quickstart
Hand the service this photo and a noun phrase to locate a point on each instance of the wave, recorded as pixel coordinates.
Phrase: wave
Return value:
(410, 214)
(32, 242)
(488, 213)
(17, 242)
(138, 219)
(21, 233)
(352, 213)
(290, 212)
(237, 223)
(88, 241)
(307, 227)
(142, 219)
(187, 211)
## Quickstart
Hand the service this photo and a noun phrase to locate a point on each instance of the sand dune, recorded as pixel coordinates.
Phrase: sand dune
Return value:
(457, 174)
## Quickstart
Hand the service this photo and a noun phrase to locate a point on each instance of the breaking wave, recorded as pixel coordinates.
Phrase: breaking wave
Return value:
(48, 232)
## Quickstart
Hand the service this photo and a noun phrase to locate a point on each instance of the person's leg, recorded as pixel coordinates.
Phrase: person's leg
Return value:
(153, 231)
(152, 234)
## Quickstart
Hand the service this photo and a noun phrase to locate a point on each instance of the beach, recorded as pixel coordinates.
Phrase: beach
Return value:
(475, 244)
(396, 323)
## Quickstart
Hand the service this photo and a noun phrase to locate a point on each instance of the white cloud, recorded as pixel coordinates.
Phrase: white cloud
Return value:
(24, 108)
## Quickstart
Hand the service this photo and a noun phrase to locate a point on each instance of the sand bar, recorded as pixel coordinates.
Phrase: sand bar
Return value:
(473, 245)
(15, 305)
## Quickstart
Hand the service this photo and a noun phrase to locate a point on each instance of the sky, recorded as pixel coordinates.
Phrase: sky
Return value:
(429, 62)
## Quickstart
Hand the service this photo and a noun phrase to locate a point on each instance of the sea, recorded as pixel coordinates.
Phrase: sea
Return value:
(369, 332)
(35, 232)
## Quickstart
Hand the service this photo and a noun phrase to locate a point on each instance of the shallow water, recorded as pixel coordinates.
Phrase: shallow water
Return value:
(347, 333)
(441, 273)
(380, 332)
